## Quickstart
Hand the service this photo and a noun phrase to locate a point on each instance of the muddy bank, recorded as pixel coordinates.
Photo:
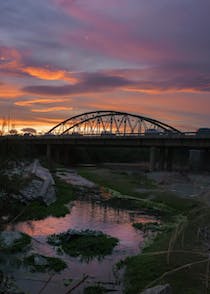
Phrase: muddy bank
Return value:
(72, 177)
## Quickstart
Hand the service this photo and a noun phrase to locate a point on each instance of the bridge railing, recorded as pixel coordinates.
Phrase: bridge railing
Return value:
(115, 135)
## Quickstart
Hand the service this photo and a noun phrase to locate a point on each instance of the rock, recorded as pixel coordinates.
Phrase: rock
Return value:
(42, 187)
(161, 289)
(8, 238)
(39, 260)
(31, 192)
(13, 241)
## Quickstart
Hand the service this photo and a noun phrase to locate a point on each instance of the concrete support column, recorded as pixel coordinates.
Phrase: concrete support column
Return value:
(206, 160)
(169, 159)
(66, 154)
(165, 158)
(195, 159)
(161, 159)
(57, 155)
(48, 152)
(152, 163)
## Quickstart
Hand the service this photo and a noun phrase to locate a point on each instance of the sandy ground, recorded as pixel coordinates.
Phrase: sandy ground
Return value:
(181, 183)
(184, 184)
(70, 176)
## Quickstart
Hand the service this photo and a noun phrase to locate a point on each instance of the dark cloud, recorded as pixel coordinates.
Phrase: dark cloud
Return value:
(101, 82)
(90, 83)
(35, 26)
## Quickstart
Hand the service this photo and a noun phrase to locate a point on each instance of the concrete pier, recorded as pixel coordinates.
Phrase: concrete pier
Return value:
(152, 163)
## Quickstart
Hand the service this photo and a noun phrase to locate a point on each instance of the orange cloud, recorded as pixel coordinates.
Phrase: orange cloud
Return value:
(142, 90)
(50, 121)
(47, 74)
(11, 62)
(51, 109)
(9, 91)
(38, 101)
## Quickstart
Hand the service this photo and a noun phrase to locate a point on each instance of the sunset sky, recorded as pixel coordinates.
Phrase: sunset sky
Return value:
(59, 58)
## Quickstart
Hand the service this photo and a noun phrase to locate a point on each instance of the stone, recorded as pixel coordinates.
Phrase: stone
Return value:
(40, 188)
(8, 238)
(39, 260)
(160, 289)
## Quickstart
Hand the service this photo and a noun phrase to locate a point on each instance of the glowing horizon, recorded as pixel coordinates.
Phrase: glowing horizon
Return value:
(59, 58)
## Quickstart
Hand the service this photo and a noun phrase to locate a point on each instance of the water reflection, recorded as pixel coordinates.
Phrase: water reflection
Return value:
(84, 215)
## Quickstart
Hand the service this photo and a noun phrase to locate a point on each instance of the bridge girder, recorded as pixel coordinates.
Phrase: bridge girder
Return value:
(107, 122)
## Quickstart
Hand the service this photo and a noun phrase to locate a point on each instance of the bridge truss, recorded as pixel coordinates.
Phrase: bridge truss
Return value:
(110, 123)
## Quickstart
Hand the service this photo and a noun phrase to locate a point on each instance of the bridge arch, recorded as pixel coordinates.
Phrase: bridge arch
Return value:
(108, 122)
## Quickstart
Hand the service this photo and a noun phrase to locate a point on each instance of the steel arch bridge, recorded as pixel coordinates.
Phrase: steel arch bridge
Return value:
(107, 122)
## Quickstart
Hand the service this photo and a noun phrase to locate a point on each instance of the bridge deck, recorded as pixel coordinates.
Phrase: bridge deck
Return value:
(197, 142)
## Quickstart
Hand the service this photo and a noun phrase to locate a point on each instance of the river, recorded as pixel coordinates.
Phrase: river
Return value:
(83, 214)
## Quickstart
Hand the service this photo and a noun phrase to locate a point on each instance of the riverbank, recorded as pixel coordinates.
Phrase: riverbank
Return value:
(88, 212)
(173, 246)
(178, 255)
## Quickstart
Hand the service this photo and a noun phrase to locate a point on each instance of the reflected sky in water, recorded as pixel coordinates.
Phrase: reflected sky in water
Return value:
(83, 215)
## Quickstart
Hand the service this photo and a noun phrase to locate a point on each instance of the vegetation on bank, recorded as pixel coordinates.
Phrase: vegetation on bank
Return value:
(97, 289)
(86, 243)
(126, 193)
(125, 182)
(37, 210)
(41, 263)
(17, 211)
(151, 226)
(177, 255)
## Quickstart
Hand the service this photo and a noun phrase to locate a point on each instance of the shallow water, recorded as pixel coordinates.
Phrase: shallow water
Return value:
(83, 215)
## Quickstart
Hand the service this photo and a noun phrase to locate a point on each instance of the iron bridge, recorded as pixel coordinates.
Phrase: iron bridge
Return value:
(107, 122)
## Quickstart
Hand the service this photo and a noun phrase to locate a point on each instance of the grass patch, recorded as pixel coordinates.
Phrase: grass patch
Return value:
(180, 204)
(41, 263)
(124, 183)
(158, 227)
(86, 243)
(127, 184)
(142, 269)
(153, 226)
(97, 289)
(176, 255)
